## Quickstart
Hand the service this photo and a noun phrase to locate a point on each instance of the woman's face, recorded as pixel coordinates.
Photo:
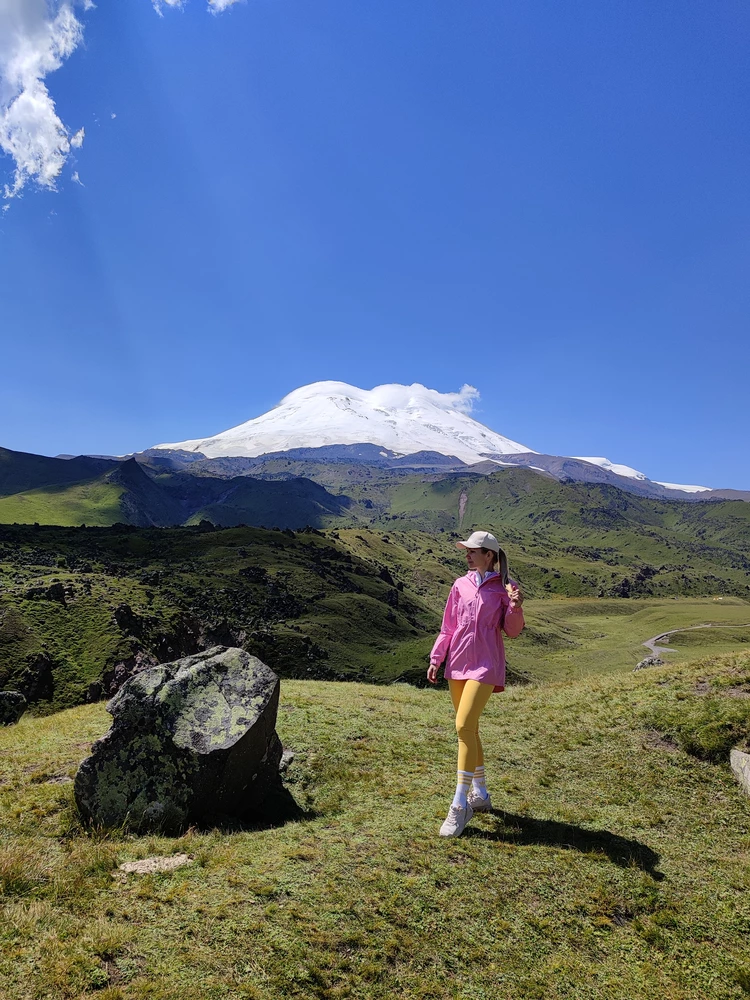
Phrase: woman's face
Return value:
(476, 559)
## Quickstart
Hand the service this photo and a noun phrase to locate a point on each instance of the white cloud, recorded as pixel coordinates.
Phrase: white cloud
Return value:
(217, 6)
(74, 177)
(36, 37)
(170, 3)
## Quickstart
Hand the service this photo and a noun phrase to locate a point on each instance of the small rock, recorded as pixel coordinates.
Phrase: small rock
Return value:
(286, 759)
(12, 707)
(740, 764)
(156, 864)
(649, 661)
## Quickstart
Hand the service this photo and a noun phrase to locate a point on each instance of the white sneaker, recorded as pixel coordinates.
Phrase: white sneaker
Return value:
(479, 804)
(455, 821)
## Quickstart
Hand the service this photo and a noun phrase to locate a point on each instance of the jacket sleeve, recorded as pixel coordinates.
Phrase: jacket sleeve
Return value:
(513, 622)
(443, 641)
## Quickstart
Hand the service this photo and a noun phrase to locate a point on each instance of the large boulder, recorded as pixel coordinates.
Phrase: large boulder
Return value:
(12, 707)
(191, 741)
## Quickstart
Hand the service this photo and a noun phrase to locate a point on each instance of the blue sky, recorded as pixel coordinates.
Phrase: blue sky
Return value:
(547, 201)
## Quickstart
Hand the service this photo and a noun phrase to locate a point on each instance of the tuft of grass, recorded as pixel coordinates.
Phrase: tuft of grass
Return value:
(704, 726)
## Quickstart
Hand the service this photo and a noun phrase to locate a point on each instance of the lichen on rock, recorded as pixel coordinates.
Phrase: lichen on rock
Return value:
(192, 740)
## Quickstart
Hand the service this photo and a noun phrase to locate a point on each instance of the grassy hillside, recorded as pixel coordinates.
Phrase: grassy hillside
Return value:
(615, 866)
(351, 603)
(578, 539)
(95, 502)
(75, 602)
(566, 539)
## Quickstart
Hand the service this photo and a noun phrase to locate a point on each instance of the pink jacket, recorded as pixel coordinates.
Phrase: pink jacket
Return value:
(470, 639)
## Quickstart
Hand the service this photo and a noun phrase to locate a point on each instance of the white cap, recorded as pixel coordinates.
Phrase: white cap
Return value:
(480, 540)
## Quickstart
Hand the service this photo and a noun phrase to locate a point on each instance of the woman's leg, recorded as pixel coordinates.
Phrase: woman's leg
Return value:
(463, 777)
(474, 698)
(469, 699)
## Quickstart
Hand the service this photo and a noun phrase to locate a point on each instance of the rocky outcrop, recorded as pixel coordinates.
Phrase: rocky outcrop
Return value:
(191, 741)
(115, 676)
(649, 661)
(54, 592)
(12, 707)
(37, 682)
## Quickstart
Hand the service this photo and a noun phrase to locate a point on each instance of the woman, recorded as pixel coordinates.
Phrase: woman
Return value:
(480, 606)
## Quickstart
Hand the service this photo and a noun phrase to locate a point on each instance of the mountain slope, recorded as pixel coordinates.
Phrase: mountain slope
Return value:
(93, 502)
(21, 471)
(129, 495)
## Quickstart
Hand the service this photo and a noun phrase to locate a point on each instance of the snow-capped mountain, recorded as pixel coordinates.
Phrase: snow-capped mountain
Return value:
(619, 470)
(402, 418)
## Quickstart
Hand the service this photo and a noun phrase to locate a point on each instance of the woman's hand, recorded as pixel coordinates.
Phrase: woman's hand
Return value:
(432, 673)
(515, 595)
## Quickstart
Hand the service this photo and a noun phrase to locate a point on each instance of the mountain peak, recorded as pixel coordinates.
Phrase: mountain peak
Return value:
(400, 418)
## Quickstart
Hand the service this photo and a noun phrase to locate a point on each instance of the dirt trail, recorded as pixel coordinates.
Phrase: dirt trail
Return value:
(462, 507)
(650, 644)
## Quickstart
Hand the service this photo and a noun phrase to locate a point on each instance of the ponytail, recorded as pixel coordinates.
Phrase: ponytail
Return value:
(502, 567)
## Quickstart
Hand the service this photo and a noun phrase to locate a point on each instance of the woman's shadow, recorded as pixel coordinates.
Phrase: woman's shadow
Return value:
(514, 829)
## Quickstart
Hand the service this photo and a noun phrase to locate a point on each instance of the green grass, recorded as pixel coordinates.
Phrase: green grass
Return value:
(94, 503)
(614, 867)
(569, 638)
(575, 539)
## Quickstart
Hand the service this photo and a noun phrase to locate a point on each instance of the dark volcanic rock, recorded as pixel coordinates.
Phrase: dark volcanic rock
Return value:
(55, 592)
(192, 740)
(12, 707)
(114, 677)
(37, 682)
(129, 621)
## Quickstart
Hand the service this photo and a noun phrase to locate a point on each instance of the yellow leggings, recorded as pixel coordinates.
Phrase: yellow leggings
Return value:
(469, 699)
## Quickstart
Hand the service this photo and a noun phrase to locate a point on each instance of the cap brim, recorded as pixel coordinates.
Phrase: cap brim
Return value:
(463, 545)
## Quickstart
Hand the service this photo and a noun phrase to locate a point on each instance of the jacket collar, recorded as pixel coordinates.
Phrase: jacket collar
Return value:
(472, 575)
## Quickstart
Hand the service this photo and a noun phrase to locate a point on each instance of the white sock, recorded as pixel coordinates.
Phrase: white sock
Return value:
(478, 782)
(462, 788)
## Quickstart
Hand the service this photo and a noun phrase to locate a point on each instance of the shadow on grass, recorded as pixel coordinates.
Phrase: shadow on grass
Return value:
(515, 829)
(279, 808)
